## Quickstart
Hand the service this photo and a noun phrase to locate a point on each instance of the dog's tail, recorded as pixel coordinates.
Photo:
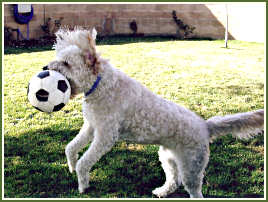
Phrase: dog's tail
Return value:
(241, 125)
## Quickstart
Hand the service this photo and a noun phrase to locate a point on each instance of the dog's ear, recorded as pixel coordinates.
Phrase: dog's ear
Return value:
(92, 58)
(92, 61)
(93, 33)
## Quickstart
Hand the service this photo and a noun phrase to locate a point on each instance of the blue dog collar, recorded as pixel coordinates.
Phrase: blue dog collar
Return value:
(94, 86)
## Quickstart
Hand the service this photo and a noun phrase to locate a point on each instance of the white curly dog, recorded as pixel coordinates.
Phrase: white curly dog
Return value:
(116, 107)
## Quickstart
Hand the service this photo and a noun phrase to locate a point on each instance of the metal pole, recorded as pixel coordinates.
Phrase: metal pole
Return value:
(226, 27)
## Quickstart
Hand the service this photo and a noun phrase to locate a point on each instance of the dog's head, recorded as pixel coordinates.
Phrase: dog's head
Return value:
(76, 58)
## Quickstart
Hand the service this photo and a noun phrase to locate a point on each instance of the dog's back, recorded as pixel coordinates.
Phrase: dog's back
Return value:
(150, 119)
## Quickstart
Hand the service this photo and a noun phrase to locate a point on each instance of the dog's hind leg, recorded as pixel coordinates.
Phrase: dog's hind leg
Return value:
(168, 161)
(84, 136)
(192, 164)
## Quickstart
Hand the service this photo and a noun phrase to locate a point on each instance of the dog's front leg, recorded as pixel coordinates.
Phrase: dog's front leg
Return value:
(102, 143)
(84, 136)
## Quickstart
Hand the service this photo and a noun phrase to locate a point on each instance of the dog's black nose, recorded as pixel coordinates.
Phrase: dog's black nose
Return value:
(45, 68)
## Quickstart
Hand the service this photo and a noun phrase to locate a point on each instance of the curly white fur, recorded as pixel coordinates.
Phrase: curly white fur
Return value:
(122, 109)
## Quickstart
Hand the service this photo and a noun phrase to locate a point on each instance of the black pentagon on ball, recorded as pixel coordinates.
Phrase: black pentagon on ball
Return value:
(62, 86)
(43, 74)
(42, 95)
(58, 107)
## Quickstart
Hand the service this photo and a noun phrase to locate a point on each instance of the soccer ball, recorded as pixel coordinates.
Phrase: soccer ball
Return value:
(48, 91)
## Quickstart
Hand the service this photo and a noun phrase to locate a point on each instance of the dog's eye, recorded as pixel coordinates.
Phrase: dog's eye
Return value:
(66, 63)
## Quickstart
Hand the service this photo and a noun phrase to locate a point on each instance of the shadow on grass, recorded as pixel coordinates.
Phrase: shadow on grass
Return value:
(110, 40)
(19, 50)
(35, 167)
(126, 39)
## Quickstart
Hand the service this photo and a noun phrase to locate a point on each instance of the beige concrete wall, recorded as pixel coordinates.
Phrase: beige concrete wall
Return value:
(246, 20)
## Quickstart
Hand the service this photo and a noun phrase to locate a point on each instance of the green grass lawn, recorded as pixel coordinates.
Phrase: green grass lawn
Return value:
(200, 75)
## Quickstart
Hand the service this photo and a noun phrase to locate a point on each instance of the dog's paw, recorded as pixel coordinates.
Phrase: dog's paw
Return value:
(160, 192)
(168, 188)
(71, 169)
(83, 178)
(82, 188)
(72, 164)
